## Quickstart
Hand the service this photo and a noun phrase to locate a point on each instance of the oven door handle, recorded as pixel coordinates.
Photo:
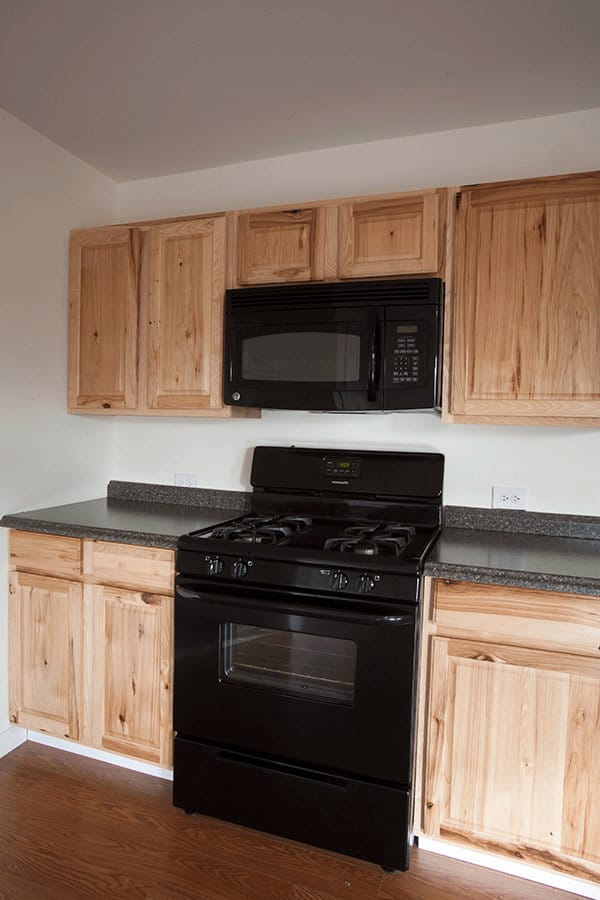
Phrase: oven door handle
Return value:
(302, 608)
(279, 768)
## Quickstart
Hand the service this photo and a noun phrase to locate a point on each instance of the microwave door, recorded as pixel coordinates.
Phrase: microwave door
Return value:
(321, 359)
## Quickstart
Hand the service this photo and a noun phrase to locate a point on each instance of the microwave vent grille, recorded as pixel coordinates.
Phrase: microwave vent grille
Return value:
(408, 291)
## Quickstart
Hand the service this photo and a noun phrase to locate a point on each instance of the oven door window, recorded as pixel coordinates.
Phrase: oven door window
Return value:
(324, 357)
(289, 662)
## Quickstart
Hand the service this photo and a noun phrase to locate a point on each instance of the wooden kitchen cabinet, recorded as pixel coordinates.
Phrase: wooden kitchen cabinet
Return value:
(398, 234)
(129, 684)
(525, 327)
(45, 655)
(511, 725)
(103, 318)
(282, 245)
(145, 319)
(91, 656)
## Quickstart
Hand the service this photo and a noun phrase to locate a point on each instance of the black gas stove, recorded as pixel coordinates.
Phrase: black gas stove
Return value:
(295, 649)
(333, 534)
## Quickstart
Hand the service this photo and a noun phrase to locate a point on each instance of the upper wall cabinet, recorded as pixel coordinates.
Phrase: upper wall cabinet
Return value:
(282, 245)
(146, 306)
(526, 318)
(390, 236)
(104, 293)
(400, 234)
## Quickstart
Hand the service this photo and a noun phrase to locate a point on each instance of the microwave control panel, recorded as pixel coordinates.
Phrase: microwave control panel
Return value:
(408, 359)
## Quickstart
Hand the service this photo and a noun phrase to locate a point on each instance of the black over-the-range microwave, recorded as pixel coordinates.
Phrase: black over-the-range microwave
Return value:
(348, 347)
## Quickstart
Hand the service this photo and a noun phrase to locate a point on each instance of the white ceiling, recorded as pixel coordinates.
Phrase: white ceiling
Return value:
(151, 87)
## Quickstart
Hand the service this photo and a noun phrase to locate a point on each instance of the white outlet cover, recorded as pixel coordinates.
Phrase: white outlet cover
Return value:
(509, 496)
(186, 479)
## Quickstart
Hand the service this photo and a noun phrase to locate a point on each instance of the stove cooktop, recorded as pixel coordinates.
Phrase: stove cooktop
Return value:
(361, 538)
(350, 522)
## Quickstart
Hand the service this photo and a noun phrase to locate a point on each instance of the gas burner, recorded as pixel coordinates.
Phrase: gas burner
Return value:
(381, 529)
(368, 546)
(261, 529)
(372, 539)
(248, 535)
(296, 523)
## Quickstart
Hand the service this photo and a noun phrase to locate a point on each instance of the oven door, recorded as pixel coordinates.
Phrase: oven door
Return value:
(315, 358)
(277, 674)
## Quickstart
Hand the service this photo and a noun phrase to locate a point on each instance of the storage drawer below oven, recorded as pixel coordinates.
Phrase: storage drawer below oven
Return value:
(357, 818)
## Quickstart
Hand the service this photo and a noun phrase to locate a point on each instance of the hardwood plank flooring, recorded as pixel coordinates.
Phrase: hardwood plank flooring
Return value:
(73, 828)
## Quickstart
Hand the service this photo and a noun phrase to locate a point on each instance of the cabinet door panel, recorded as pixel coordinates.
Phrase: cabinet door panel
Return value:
(511, 736)
(130, 707)
(187, 283)
(390, 236)
(527, 311)
(46, 640)
(281, 245)
(103, 301)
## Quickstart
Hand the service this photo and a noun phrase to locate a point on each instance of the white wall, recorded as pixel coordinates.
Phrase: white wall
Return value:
(46, 456)
(558, 465)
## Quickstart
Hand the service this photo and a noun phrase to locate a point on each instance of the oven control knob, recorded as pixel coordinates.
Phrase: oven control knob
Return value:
(366, 583)
(215, 565)
(339, 581)
(239, 568)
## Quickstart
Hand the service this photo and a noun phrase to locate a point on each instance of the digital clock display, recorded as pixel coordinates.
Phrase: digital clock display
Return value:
(347, 468)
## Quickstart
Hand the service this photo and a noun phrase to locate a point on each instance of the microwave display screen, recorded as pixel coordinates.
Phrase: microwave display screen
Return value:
(307, 356)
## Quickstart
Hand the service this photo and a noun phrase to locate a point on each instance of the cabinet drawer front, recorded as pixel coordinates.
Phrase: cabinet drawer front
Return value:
(146, 568)
(558, 620)
(46, 553)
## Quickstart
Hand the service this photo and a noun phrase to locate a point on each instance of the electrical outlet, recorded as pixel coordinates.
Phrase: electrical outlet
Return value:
(185, 479)
(509, 497)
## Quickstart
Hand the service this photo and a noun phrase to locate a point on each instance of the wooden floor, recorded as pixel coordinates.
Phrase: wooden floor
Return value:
(71, 827)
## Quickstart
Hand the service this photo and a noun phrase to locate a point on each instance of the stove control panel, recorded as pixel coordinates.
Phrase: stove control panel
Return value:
(390, 586)
(342, 467)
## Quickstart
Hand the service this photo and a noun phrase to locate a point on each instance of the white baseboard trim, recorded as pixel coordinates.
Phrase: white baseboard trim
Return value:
(11, 738)
(577, 886)
(115, 759)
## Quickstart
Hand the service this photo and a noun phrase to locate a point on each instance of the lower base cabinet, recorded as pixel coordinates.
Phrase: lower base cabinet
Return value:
(129, 683)
(511, 761)
(87, 661)
(46, 640)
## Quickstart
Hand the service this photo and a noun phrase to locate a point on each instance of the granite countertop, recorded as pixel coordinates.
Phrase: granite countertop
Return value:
(534, 550)
(150, 515)
(546, 562)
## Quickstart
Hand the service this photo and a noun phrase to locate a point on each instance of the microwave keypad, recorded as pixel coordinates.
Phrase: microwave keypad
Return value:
(407, 359)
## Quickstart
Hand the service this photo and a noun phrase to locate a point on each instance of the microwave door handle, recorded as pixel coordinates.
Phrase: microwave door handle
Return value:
(373, 377)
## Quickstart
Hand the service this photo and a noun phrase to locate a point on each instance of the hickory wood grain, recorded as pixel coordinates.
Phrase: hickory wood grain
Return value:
(511, 762)
(526, 319)
(108, 833)
(91, 657)
(145, 322)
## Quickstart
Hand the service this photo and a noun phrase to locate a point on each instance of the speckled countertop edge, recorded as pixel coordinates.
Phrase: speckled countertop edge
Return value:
(510, 578)
(117, 536)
